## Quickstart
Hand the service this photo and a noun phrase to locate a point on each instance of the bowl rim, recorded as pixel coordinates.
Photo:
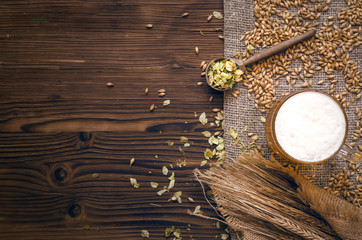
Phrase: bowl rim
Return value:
(273, 133)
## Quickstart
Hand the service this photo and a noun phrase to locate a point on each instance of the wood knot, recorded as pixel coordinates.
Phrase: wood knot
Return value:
(74, 210)
(175, 65)
(85, 136)
(60, 175)
(85, 139)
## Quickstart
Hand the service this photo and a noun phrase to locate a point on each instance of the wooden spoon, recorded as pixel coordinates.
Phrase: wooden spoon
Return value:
(262, 55)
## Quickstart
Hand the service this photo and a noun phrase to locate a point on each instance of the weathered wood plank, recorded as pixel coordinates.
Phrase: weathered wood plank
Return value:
(60, 124)
(111, 115)
(70, 50)
(48, 180)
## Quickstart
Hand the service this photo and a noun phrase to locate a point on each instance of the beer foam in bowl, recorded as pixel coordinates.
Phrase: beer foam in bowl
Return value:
(310, 126)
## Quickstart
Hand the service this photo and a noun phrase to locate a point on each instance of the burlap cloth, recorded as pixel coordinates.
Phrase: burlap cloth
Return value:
(240, 112)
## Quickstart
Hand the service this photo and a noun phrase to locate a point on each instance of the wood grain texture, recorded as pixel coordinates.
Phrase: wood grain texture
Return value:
(46, 176)
(107, 115)
(60, 124)
(56, 51)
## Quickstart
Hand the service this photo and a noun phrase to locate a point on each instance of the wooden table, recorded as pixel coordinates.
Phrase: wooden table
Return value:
(67, 139)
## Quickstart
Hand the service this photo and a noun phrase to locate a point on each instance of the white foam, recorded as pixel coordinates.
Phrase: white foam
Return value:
(310, 126)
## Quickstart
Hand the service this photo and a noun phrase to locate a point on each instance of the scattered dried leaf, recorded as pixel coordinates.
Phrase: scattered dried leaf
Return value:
(171, 184)
(181, 150)
(250, 48)
(177, 233)
(208, 153)
(217, 15)
(177, 197)
(161, 192)
(164, 170)
(172, 177)
(203, 118)
(206, 134)
(198, 210)
(134, 183)
(218, 224)
(86, 227)
(145, 234)
(168, 232)
(233, 134)
(203, 163)
(224, 236)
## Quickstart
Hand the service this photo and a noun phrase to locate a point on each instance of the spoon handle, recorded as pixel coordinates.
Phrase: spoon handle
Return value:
(279, 47)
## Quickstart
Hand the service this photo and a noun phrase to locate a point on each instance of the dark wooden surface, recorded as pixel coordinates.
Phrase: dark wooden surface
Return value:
(60, 123)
